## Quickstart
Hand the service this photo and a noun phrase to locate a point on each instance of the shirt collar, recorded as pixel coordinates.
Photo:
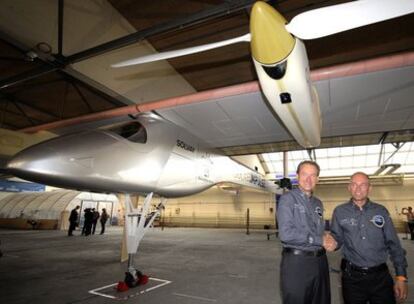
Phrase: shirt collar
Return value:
(303, 194)
(367, 205)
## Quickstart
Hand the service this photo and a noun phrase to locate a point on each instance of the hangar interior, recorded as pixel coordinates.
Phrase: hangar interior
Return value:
(56, 79)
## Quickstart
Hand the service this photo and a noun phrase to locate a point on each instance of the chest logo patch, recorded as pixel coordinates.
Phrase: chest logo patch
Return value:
(349, 221)
(300, 208)
(378, 221)
(318, 211)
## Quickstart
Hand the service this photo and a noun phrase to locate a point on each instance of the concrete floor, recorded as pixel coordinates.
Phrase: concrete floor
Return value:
(203, 265)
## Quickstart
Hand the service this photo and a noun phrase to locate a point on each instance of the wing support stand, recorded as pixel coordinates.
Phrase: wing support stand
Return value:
(137, 223)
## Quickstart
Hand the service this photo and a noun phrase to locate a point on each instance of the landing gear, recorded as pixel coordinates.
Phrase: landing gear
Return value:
(137, 222)
(136, 279)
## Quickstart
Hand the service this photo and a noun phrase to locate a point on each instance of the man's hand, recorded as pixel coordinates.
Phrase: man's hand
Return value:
(329, 242)
(400, 290)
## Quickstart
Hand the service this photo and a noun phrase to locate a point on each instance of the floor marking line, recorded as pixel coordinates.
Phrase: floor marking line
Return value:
(157, 286)
(6, 255)
(238, 276)
(97, 292)
(194, 297)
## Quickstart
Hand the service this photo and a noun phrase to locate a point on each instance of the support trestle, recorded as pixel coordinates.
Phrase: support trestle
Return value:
(137, 223)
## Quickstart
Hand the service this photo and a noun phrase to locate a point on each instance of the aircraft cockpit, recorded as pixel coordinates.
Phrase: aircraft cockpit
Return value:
(132, 131)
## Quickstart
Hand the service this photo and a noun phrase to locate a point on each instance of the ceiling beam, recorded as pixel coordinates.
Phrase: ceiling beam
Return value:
(59, 62)
(8, 126)
(13, 99)
(82, 97)
(326, 142)
(24, 114)
(223, 9)
(17, 114)
(61, 6)
(27, 75)
(263, 163)
(74, 76)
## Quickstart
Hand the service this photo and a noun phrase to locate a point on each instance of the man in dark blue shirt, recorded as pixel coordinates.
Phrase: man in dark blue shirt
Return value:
(366, 233)
(304, 267)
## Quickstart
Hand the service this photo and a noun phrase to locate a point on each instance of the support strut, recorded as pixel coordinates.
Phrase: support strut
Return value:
(137, 222)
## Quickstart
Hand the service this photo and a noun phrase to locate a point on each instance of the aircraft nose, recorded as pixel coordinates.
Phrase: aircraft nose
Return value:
(33, 159)
(61, 159)
(270, 41)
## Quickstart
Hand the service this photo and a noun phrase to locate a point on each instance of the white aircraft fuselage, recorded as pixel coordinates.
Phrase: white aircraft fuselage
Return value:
(145, 155)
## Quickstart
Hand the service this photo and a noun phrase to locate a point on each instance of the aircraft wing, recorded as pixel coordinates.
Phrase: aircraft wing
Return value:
(350, 105)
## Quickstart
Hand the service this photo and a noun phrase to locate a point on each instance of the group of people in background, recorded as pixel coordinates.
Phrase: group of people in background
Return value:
(361, 229)
(91, 217)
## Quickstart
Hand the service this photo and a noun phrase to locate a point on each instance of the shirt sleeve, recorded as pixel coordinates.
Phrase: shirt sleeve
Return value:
(336, 230)
(393, 244)
(289, 232)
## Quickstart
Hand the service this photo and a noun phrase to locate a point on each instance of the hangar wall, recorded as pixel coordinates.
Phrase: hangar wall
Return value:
(222, 208)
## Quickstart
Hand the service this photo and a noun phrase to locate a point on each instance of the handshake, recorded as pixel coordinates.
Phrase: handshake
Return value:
(328, 242)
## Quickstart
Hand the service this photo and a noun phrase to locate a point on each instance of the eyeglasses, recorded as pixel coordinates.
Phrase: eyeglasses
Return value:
(361, 186)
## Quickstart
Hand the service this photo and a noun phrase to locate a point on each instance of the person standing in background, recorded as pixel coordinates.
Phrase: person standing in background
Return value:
(104, 218)
(87, 224)
(408, 212)
(73, 220)
(94, 219)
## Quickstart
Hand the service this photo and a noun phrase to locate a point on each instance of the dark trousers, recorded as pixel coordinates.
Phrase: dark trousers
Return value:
(94, 226)
(305, 279)
(372, 288)
(103, 227)
(411, 228)
(87, 228)
(72, 226)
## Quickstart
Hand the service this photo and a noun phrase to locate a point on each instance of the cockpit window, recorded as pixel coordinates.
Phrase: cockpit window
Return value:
(132, 131)
(276, 72)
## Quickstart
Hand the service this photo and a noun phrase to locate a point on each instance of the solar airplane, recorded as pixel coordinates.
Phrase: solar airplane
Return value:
(149, 154)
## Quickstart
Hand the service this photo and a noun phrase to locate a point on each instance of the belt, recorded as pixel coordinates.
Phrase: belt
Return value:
(348, 266)
(294, 251)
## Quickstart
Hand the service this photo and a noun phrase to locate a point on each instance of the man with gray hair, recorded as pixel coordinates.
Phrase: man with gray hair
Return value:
(365, 232)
